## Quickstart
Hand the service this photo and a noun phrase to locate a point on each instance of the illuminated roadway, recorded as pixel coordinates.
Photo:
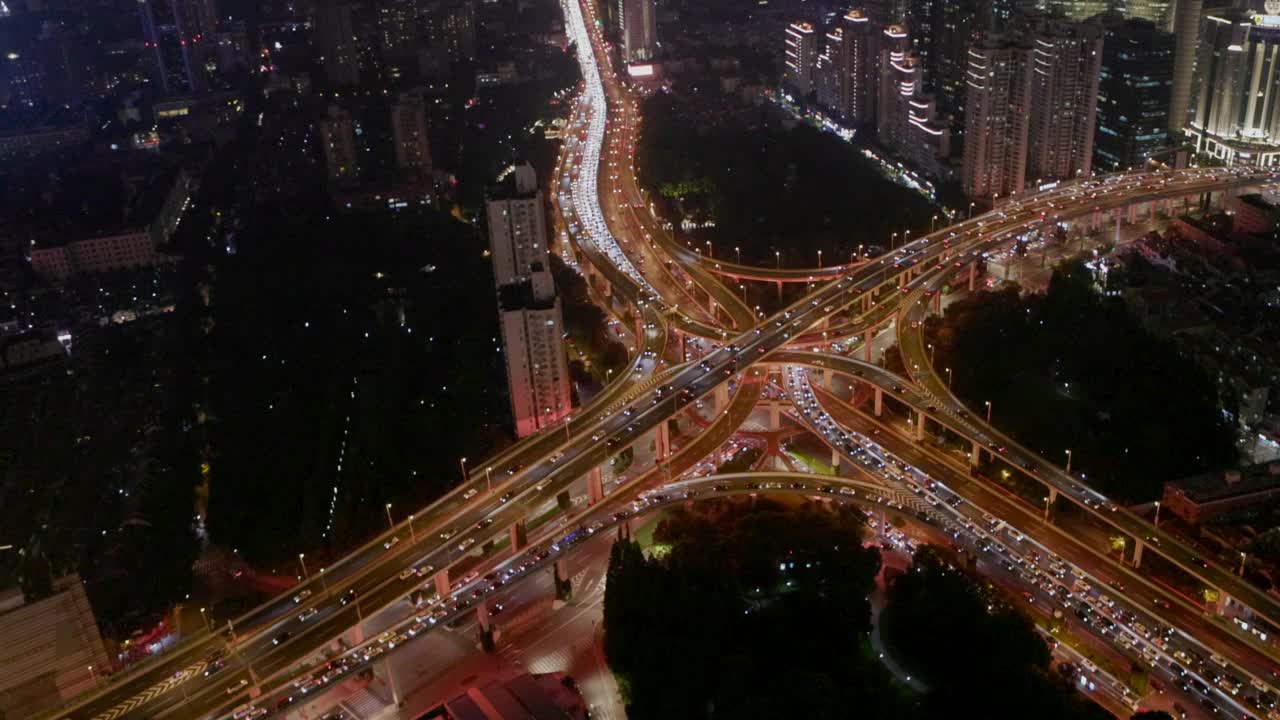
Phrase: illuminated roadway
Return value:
(545, 464)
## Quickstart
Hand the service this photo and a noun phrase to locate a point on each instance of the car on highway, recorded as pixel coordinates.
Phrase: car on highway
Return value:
(408, 573)
(214, 667)
(347, 597)
(391, 543)
(297, 599)
(556, 458)
(307, 614)
(281, 637)
(470, 494)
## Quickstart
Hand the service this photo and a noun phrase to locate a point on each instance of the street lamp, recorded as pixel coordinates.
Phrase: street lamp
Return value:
(948, 378)
(777, 256)
(931, 352)
(738, 252)
(93, 675)
(205, 618)
(462, 463)
(1048, 499)
(411, 528)
(971, 210)
(302, 560)
(859, 252)
(819, 258)
(933, 223)
(1243, 555)
(893, 241)
(1156, 521)
(709, 250)
(988, 404)
(390, 523)
(1068, 462)
(324, 587)
(488, 479)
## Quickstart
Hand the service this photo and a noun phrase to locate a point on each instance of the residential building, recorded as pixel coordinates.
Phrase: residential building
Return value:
(1067, 59)
(1134, 87)
(335, 42)
(517, 228)
(906, 121)
(858, 65)
(957, 26)
(997, 120)
(451, 29)
(338, 139)
(409, 134)
(799, 58)
(181, 35)
(533, 342)
(1235, 101)
(638, 28)
(50, 651)
(1206, 497)
(397, 30)
(827, 76)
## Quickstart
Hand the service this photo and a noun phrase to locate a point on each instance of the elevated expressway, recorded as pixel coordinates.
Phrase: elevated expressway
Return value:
(504, 492)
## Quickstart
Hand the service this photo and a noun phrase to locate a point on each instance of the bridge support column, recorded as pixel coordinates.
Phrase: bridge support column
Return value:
(679, 346)
(519, 539)
(1133, 213)
(560, 575)
(937, 302)
(595, 486)
(866, 301)
(779, 288)
(973, 276)
(442, 583)
(1049, 501)
(483, 619)
(1138, 545)
(920, 421)
(639, 330)
(879, 402)
(1152, 209)
(721, 398)
(775, 418)
(1220, 605)
(1095, 220)
(866, 344)
(662, 441)
(829, 380)
(1117, 238)
(835, 460)
(975, 454)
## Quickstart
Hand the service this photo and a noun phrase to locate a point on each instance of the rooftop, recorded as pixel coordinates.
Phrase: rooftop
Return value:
(1220, 485)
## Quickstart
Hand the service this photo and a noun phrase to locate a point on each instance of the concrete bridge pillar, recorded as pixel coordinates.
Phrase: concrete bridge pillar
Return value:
(662, 441)
(975, 454)
(829, 380)
(679, 346)
(1138, 545)
(775, 417)
(482, 617)
(1133, 213)
(442, 583)
(866, 301)
(517, 535)
(1049, 501)
(866, 344)
(937, 302)
(879, 402)
(835, 460)
(721, 398)
(595, 486)
(973, 276)
(920, 421)
(1117, 238)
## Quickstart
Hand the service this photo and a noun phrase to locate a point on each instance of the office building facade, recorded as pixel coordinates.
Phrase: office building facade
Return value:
(1134, 88)
(1235, 101)
(181, 38)
(338, 140)
(517, 228)
(334, 40)
(638, 29)
(409, 134)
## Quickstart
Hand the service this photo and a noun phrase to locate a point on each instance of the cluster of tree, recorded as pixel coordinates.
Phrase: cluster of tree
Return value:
(1073, 368)
(979, 657)
(587, 325)
(771, 190)
(756, 612)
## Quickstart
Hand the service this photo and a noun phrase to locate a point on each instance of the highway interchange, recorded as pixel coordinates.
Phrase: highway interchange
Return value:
(462, 537)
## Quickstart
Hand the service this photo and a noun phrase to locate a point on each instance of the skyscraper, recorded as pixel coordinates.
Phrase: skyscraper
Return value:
(517, 228)
(1133, 93)
(180, 35)
(451, 28)
(335, 42)
(338, 139)
(1187, 35)
(827, 74)
(533, 343)
(996, 112)
(638, 28)
(409, 134)
(530, 314)
(397, 30)
(1064, 99)
(800, 54)
(860, 62)
(956, 25)
(1235, 98)
(906, 114)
